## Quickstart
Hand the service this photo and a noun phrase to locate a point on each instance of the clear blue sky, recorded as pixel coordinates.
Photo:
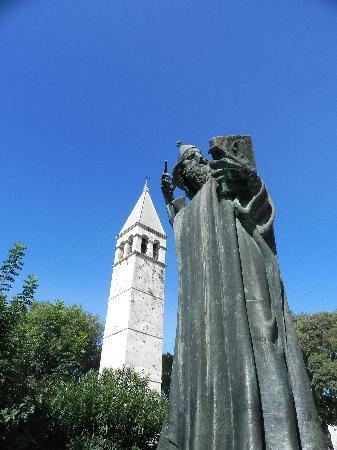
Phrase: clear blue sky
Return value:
(94, 94)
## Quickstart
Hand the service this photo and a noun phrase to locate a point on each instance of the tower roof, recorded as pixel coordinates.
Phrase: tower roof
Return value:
(144, 213)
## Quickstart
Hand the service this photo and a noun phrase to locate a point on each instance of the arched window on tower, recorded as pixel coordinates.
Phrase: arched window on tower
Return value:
(143, 246)
(130, 241)
(156, 250)
(121, 251)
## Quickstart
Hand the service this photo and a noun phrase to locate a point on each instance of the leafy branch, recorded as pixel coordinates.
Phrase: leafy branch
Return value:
(11, 267)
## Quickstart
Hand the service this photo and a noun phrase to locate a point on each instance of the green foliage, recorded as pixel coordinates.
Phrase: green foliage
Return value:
(40, 343)
(116, 410)
(51, 342)
(56, 341)
(10, 310)
(29, 287)
(317, 334)
(15, 404)
(11, 267)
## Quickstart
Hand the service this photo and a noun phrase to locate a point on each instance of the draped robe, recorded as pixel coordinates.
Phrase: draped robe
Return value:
(238, 377)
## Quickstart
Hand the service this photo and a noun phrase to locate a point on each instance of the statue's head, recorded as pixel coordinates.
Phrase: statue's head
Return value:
(191, 171)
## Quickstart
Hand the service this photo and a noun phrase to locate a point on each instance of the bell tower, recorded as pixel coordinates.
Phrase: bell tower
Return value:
(133, 332)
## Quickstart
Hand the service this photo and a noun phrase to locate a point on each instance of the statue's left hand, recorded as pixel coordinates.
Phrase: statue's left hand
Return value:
(238, 178)
(226, 170)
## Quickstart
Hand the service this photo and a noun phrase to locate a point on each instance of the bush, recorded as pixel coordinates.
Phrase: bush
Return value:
(116, 410)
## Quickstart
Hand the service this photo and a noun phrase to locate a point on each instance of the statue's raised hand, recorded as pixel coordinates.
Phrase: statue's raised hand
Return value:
(167, 187)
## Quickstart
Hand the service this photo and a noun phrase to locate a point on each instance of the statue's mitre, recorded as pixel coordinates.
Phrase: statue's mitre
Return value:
(182, 149)
(237, 146)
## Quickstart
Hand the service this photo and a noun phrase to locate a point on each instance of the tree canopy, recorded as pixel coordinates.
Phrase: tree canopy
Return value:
(50, 343)
(317, 334)
(56, 341)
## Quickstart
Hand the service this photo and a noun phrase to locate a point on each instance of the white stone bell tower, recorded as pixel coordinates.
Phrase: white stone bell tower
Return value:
(133, 332)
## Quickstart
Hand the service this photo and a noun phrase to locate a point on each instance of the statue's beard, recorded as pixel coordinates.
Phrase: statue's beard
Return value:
(194, 176)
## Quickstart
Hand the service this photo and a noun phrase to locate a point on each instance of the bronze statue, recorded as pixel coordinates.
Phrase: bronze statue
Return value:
(238, 378)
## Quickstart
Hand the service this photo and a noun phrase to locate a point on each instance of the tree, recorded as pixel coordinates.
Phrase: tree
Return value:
(11, 267)
(116, 410)
(39, 344)
(51, 342)
(55, 341)
(10, 308)
(317, 334)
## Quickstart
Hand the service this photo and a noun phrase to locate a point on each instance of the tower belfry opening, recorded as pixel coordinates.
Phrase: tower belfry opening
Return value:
(133, 332)
(143, 245)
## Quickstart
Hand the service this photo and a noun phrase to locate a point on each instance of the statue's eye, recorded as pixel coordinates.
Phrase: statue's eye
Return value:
(191, 156)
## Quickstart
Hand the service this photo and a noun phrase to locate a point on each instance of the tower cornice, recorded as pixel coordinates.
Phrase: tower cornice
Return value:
(135, 252)
(146, 228)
